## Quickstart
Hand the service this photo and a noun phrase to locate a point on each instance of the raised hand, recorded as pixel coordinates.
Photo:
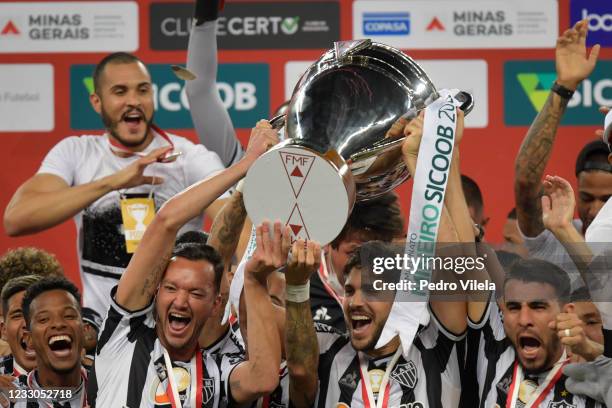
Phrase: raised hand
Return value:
(132, 175)
(271, 252)
(570, 330)
(558, 203)
(305, 260)
(262, 138)
(571, 58)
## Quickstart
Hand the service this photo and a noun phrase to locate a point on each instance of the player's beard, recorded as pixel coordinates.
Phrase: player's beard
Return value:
(111, 126)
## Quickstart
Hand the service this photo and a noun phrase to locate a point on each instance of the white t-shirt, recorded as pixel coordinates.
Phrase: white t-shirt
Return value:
(600, 229)
(548, 248)
(100, 238)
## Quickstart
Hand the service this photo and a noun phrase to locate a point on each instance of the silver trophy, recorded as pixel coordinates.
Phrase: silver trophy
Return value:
(337, 149)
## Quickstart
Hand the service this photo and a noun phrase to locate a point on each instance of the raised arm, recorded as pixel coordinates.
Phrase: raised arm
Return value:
(46, 200)
(139, 282)
(259, 374)
(210, 118)
(452, 314)
(301, 344)
(573, 65)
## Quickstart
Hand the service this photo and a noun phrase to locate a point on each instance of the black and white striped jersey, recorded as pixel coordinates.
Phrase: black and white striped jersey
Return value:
(489, 368)
(129, 368)
(428, 377)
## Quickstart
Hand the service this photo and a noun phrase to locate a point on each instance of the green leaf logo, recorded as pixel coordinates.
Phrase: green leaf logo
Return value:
(537, 86)
(290, 25)
(89, 85)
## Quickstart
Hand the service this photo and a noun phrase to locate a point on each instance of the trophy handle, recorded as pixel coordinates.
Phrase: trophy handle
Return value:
(278, 121)
(391, 143)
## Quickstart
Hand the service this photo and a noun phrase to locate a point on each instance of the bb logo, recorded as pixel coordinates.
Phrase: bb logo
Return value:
(598, 21)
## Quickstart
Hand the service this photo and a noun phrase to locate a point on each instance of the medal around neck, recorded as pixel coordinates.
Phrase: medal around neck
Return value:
(338, 150)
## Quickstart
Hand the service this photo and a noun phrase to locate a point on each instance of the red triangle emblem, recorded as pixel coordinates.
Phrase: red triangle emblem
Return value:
(296, 172)
(10, 28)
(295, 228)
(435, 24)
(301, 165)
(296, 223)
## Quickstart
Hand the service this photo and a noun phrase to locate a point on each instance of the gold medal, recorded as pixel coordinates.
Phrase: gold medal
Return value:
(376, 377)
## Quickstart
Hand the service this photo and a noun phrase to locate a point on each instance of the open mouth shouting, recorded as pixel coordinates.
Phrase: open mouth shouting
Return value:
(528, 346)
(60, 345)
(178, 323)
(360, 324)
(27, 351)
(133, 119)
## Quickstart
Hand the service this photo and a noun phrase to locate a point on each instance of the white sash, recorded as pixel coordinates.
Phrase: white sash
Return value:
(435, 155)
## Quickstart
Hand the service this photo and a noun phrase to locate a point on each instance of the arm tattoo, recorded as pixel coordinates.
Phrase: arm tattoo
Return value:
(226, 228)
(152, 279)
(531, 161)
(302, 349)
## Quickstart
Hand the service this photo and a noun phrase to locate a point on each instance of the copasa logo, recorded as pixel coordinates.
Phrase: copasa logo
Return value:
(527, 86)
(386, 23)
(599, 14)
(244, 90)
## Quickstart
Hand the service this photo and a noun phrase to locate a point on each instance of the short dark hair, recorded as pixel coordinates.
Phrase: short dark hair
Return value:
(44, 285)
(198, 237)
(14, 286)
(536, 270)
(592, 157)
(28, 261)
(363, 258)
(194, 251)
(581, 295)
(114, 58)
(376, 219)
(473, 195)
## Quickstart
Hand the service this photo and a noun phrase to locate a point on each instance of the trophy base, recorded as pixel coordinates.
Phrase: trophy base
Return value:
(310, 192)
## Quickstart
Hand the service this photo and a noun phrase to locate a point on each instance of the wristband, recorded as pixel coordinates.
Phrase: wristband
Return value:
(562, 91)
(239, 186)
(298, 293)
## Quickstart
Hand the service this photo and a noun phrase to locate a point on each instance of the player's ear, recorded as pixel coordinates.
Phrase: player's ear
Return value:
(96, 102)
(569, 308)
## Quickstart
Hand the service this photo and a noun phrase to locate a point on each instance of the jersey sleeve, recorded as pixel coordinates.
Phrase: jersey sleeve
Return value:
(62, 159)
(210, 118)
(122, 327)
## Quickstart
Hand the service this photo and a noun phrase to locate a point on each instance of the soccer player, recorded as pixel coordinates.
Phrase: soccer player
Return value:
(594, 174)
(52, 311)
(520, 355)
(23, 358)
(110, 183)
(330, 369)
(148, 350)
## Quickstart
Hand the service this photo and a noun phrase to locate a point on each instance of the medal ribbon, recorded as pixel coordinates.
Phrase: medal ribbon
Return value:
(385, 387)
(195, 372)
(118, 147)
(543, 389)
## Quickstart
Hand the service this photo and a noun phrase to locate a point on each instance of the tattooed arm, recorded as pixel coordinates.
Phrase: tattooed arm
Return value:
(573, 66)
(227, 227)
(301, 344)
(143, 274)
(224, 236)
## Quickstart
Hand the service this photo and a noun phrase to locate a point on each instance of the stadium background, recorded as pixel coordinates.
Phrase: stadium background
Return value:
(488, 151)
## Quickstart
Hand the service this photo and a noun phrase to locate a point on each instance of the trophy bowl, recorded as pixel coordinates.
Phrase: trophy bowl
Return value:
(338, 150)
